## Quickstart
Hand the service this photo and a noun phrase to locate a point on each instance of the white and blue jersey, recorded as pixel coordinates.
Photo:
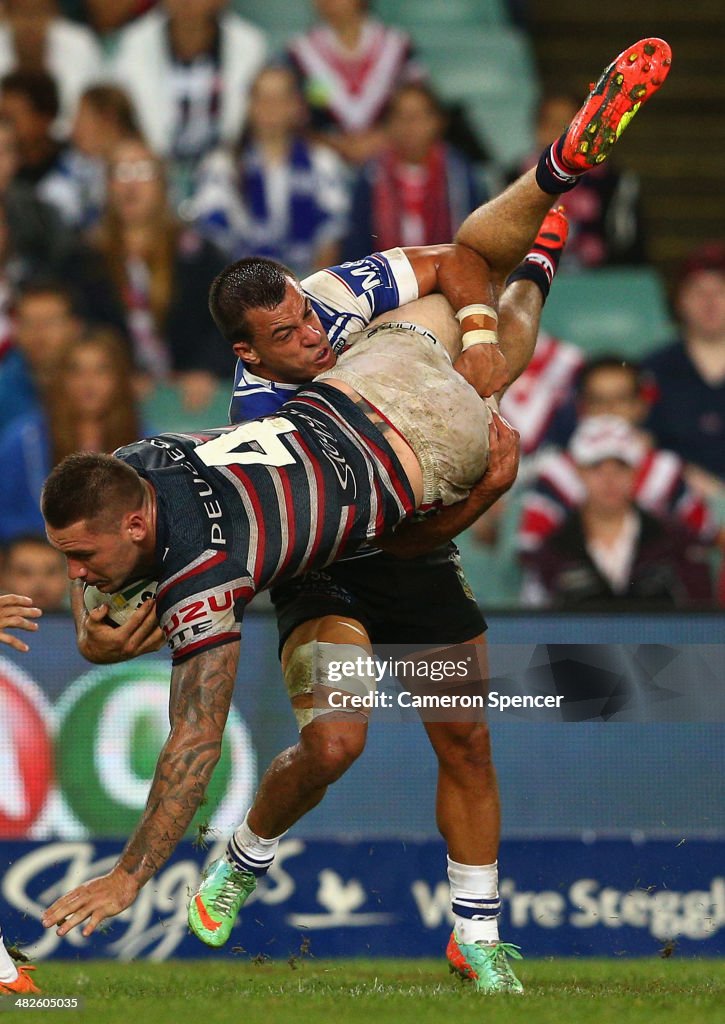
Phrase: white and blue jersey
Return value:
(346, 298)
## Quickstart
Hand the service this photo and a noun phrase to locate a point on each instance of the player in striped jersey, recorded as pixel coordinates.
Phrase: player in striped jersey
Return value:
(216, 516)
(501, 231)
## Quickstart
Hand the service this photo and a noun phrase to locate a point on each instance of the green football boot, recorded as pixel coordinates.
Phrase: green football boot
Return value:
(214, 907)
(486, 965)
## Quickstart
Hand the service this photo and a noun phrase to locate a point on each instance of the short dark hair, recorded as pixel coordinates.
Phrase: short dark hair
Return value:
(45, 284)
(90, 486)
(607, 362)
(251, 283)
(38, 88)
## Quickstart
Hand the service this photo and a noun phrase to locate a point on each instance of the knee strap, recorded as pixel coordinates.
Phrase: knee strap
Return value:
(319, 663)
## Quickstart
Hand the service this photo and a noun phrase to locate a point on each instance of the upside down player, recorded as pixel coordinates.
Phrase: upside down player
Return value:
(16, 612)
(374, 597)
(624, 86)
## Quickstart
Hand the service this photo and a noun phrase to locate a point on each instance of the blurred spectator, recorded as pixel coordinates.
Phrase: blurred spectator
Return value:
(609, 554)
(105, 116)
(420, 189)
(148, 275)
(604, 210)
(33, 37)
(189, 65)
(89, 408)
(105, 15)
(31, 566)
(279, 196)
(531, 403)
(29, 99)
(34, 238)
(350, 64)
(610, 386)
(688, 377)
(46, 321)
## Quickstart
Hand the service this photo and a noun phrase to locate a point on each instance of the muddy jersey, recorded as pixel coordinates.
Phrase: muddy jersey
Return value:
(241, 507)
(346, 298)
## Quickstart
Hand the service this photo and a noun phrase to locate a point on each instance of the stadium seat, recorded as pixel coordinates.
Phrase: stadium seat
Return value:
(163, 411)
(493, 74)
(611, 310)
(280, 19)
(494, 572)
(505, 128)
(409, 13)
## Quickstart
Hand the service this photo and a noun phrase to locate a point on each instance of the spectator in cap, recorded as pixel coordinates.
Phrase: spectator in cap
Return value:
(609, 385)
(688, 377)
(609, 554)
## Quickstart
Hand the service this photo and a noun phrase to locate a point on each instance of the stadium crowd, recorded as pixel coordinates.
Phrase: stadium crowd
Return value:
(144, 145)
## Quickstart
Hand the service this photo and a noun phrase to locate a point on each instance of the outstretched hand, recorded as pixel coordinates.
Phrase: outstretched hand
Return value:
(97, 899)
(104, 644)
(485, 368)
(17, 612)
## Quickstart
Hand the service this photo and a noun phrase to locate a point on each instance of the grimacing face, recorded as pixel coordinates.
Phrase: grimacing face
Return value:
(99, 555)
(289, 342)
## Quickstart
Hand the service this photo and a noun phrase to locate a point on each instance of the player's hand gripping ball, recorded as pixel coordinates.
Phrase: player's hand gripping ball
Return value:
(124, 603)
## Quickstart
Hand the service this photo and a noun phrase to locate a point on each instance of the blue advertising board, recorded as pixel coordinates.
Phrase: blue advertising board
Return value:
(390, 898)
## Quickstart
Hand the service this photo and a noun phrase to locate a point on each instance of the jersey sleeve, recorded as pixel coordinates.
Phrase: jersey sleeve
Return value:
(347, 297)
(202, 605)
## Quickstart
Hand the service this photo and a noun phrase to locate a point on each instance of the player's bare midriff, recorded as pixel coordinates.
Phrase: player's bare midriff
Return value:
(406, 456)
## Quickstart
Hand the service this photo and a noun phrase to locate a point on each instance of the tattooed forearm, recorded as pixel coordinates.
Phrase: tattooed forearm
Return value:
(201, 692)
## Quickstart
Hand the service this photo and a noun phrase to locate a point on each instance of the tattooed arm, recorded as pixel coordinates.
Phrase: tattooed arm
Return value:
(201, 693)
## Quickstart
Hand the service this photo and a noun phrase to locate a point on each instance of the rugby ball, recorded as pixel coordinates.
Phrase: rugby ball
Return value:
(122, 604)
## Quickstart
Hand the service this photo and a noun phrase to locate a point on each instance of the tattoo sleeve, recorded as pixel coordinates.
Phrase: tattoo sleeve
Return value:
(201, 693)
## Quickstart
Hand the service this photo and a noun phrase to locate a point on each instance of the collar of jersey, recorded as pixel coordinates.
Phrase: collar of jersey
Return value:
(252, 378)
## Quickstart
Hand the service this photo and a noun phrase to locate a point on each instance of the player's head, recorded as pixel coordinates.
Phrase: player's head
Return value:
(609, 385)
(99, 514)
(260, 308)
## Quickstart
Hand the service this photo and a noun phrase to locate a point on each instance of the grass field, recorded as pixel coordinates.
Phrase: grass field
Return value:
(381, 992)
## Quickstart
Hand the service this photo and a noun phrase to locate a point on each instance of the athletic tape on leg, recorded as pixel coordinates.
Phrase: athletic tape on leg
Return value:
(328, 672)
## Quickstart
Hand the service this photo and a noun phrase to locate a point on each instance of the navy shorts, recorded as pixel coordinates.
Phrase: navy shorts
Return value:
(425, 600)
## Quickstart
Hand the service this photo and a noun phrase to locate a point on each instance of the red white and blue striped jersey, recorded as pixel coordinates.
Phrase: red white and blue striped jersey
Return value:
(346, 298)
(660, 489)
(240, 508)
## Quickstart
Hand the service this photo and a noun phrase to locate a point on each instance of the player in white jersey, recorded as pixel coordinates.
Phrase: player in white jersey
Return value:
(501, 231)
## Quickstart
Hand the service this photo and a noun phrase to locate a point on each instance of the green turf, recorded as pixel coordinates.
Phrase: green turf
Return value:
(381, 992)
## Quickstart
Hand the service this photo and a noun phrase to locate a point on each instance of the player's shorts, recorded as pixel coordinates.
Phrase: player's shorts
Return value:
(407, 375)
(425, 600)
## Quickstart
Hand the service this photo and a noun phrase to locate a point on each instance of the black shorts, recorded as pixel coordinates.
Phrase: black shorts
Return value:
(424, 600)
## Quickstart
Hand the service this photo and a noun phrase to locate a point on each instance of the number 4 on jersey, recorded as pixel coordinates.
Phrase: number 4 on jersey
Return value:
(262, 436)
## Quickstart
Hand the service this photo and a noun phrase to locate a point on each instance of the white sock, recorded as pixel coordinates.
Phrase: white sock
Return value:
(8, 970)
(247, 851)
(475, 901)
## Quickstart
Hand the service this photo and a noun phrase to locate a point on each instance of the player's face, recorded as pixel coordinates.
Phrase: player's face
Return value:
(289, 342)
(101, 556)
